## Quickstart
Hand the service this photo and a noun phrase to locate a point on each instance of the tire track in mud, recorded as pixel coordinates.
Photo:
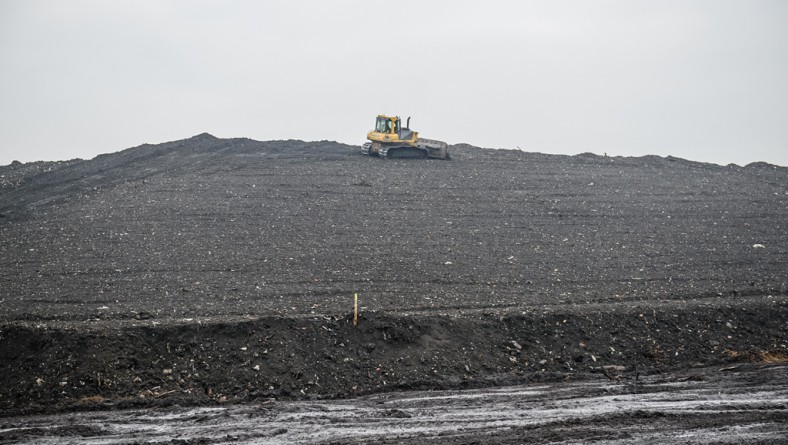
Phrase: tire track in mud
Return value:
(746, 404)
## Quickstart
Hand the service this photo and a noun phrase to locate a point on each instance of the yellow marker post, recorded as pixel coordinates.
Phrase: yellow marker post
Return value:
(355, 309)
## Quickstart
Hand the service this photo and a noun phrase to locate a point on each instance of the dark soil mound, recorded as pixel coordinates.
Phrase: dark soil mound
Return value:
(205, 246)
(274, 357)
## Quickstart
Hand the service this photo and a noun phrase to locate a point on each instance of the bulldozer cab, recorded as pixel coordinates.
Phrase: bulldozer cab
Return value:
(387, 125)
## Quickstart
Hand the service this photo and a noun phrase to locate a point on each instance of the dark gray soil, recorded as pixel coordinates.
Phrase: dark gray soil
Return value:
(208, 271)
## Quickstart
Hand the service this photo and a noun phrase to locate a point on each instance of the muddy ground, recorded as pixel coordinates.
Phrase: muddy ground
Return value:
(731, 405)
(210, 271)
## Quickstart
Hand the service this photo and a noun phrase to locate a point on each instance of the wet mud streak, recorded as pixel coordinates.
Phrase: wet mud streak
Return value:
(698, 406)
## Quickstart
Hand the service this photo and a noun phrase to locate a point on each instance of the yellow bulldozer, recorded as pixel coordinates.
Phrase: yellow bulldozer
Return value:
(390, 139)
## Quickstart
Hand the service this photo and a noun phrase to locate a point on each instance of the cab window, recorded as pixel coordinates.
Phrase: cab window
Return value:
(380, 125)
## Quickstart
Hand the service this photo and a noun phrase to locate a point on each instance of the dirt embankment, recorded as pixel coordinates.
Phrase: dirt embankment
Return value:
(242, 361)
(210, 270)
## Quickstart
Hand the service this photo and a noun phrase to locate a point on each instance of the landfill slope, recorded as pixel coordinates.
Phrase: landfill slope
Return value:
(211, 270)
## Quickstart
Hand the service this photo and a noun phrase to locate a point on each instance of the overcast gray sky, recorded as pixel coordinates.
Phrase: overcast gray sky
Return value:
(705, 80)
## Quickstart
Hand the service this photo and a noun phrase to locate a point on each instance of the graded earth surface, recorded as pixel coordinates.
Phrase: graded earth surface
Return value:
(214, 272)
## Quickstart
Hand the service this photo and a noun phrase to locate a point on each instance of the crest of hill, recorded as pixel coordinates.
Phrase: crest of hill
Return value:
(33, 185)
(588, 157)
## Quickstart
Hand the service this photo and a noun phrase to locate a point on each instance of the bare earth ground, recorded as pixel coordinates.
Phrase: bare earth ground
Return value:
(211, 271)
